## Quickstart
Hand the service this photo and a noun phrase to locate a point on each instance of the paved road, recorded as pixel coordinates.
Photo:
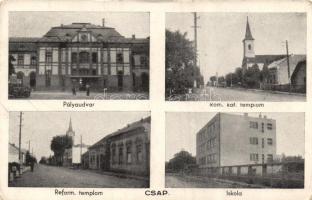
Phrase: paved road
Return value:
(174, 181)
(229, 94)
(50, 176)
(82, 95)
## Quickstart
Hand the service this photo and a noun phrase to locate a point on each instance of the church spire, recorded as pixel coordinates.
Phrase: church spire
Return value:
(248, 35)
(70, 131)
(70, 128)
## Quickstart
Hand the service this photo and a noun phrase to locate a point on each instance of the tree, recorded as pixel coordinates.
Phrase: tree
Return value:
(251, 78)
(58, 146)
(43, 160)
(180, 161)
(11, 66)
(265, 73)
(180, 70)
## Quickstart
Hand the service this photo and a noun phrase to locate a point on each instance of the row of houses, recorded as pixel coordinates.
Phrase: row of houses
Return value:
(126, 150)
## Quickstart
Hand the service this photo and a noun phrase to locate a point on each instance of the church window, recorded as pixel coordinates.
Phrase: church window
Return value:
(249, 46)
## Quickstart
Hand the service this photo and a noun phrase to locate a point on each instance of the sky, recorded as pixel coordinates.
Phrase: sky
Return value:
(36, 24)
(41, 127)
(182, 135)
(220, 36)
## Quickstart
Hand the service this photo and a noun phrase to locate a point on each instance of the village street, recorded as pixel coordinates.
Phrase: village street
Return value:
(52, 176)
(237, 94)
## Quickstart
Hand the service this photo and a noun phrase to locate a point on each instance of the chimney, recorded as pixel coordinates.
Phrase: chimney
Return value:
(103, 22)
(133, 36)
(246, 114)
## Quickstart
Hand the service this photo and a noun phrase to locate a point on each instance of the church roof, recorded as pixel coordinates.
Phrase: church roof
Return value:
(248, 35)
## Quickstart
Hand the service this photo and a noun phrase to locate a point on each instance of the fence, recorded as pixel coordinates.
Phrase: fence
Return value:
(275, 175)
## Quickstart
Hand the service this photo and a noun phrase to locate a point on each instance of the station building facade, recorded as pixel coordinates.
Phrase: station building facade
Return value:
(236, 140)
(79, 54)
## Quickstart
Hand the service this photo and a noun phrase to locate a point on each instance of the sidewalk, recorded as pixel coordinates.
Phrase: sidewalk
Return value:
(265, 91)
(119, 175)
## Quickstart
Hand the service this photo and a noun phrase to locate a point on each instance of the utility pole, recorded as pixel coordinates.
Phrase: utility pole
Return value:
(29, 146)
(287, 54)
(80, 148)
(195, 43)
(20, 139)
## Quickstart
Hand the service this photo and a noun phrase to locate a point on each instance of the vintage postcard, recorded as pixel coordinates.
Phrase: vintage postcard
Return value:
(162, 99)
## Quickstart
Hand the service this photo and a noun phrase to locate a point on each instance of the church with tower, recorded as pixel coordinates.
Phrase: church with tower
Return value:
(250, 58)
(284, 70)
(72, 156)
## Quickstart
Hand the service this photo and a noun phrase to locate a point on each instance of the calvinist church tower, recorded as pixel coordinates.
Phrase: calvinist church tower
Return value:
(70, 131)
(249, 52)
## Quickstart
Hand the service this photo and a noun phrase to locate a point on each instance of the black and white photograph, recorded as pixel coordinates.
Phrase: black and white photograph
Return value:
(236, 56)
(78, 55)
(235, 150)
(79, 149)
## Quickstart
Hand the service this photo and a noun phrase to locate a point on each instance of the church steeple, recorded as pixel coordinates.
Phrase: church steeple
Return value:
(248, 35)
(70, 131)
(248, 43)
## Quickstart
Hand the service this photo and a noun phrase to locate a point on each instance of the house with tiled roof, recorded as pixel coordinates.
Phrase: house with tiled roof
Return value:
(78, 54)
(125, 150)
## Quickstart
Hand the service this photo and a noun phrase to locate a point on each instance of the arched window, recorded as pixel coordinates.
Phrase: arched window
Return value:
(249, 46)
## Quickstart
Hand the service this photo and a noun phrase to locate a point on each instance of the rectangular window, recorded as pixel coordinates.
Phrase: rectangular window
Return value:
(139, 153)
(254, 157)
(129, 155)
(126, 56)
(48, 56)
(253, 140)
(262, 127)
(33, 60)
(269, 126)
(120, 157)
(94, 57)
(20, 59)
(270, 141)
(74, 57)
(253, 125)
(143, 60)
(269, 157)
(119, 58)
